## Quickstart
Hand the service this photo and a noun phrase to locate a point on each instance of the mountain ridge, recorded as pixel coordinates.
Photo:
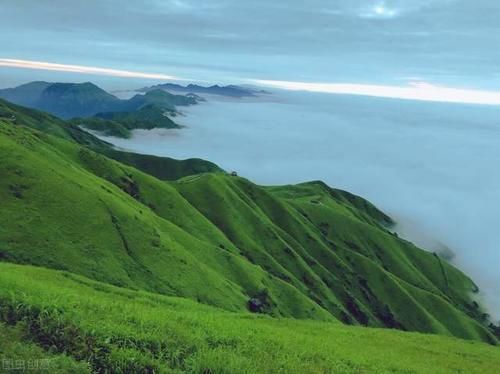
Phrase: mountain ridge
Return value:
(229, 90)
(68, 100)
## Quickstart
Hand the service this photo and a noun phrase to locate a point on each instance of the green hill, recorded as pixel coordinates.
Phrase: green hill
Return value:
(120, 124)
(161, 167)
(305, 251)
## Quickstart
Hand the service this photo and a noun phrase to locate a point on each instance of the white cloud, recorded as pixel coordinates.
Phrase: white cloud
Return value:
(40, 65)
(379, 10)
(419, 90)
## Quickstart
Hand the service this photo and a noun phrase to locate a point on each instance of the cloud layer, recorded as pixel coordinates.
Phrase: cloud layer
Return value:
(419, 91)
(92, 70)
(432, 166)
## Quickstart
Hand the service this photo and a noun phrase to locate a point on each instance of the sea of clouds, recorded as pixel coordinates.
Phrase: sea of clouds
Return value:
(434, 167)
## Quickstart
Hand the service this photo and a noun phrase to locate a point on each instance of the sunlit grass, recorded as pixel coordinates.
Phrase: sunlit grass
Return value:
(126, 331)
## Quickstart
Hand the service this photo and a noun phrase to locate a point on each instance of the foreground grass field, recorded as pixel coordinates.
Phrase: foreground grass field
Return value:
(19, 354)
(134, 331)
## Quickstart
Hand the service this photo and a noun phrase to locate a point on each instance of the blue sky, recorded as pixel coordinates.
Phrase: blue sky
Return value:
(445, 42)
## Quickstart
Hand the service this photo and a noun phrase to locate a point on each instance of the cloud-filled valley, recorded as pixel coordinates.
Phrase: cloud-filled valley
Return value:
(432, 166)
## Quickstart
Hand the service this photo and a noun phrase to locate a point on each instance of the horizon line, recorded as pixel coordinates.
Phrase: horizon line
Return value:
(416, 90)
(82, 69)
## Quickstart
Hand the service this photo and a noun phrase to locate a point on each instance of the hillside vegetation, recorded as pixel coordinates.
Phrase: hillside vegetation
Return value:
(161, 167)
(237, 254)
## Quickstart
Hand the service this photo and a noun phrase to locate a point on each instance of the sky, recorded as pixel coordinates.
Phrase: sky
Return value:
(449, 43)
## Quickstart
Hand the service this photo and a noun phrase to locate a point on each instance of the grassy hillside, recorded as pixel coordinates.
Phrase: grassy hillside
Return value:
(11, 113)
(122, 330)
(161, 167)
(19, 353)
(304, 251)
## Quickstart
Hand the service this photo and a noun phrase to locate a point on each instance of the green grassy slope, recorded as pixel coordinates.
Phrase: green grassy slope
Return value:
(329, 245)
(33, 118)
(58, 213)
(302, 251)
(122, 330)
(161, 167)
(19, 354)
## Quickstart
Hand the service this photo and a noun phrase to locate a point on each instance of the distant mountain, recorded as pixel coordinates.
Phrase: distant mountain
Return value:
(147, 111)
(120, 124)
(160, 98)
(27, 94)
(69, 100)
(230, 91)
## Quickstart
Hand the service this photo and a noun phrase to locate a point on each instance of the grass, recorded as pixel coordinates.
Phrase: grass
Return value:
(19, 354)
(131, 331)
(163, 168)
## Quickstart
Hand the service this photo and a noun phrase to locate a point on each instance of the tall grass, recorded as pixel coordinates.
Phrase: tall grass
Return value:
(123, 331)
